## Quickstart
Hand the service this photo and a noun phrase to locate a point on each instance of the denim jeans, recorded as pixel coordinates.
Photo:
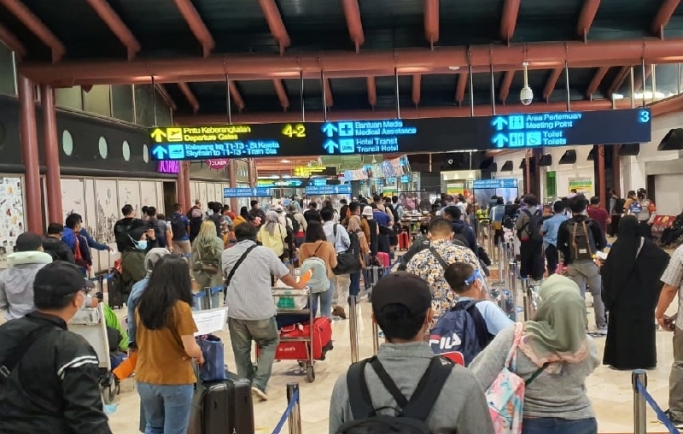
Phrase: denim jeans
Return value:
(167, 407)
(354, 287)
(554, 425)
(265, 334)
(324, 299)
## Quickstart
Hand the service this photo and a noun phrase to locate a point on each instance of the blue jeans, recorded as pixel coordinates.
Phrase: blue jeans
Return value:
(265, 334)
(354, 288)
(325, 301)
(554, 425)
(167, 407)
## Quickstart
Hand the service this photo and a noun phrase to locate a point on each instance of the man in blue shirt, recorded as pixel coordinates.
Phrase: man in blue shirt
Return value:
(550, 228)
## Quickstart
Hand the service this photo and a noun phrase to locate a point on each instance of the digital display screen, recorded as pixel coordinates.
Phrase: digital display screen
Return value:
(495, 183)
(402, 136)
(246, 192)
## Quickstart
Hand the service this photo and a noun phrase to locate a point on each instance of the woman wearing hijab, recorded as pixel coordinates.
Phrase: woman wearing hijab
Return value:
(630, 290)
(554, 355)
(273, 233)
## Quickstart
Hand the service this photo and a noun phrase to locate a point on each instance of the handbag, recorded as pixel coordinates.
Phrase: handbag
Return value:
(213, 351)
(347, 262)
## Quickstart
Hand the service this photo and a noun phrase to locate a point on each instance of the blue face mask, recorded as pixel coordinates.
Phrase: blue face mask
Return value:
(141, 245)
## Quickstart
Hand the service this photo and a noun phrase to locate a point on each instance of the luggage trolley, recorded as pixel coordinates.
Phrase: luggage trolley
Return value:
(90, 323)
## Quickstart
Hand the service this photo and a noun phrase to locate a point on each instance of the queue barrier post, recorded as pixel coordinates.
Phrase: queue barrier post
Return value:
(353, 328)
(294, 419)
(512, 279)
(375, 338)
(639, 414)
(501, 263)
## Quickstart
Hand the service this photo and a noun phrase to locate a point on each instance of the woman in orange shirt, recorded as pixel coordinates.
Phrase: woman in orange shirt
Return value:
(166, 346)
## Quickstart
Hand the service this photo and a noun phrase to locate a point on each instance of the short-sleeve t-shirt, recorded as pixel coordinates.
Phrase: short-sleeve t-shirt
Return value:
(673, 276)
(599, 215)
(161, 355)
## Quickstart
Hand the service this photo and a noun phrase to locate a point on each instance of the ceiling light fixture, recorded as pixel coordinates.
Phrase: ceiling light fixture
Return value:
(454, 68)
(285, 161)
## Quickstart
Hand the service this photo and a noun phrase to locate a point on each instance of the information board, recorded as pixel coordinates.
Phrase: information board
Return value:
(402, 136)
(246, 192)
(495, 183)
(322, 190)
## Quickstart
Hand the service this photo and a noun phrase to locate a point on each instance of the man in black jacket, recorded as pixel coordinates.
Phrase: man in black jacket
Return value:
(48, 375)
(55, 247)
(460, 228)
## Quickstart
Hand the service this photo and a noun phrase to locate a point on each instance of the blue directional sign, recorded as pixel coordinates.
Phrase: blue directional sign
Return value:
(246, 192)
(494, 183)
(322, 190)
(401, 136)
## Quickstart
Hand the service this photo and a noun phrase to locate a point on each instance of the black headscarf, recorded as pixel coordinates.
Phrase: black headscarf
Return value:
(621, 257)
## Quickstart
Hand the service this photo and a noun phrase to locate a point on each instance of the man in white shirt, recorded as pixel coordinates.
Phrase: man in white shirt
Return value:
(339, 238)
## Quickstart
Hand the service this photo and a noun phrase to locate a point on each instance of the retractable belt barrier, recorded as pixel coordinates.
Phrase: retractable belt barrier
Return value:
(293, 412)
(640, 397)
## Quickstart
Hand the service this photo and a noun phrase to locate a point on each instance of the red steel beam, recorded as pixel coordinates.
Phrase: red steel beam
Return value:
(281, 93)
(372, 91)
(669, 105)
(509, 20)
(596, 80)
(461, 87)
(185, 89)
(201, 32)
(36, 26)
(12, 42)
(117, 26)
(664, 13)
(431, 17)
(621, 76)
(166, 97)
(275, 23)
(406, 113)
(505, 86)
(588, 11)
(417, 81)
(550, 84)
(353, 22)
(329, 98)
(548, 55)
(236, 97)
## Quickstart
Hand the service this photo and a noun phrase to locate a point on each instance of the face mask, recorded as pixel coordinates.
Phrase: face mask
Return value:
(141, 245)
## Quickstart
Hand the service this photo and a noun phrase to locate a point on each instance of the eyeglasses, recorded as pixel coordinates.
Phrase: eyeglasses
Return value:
(470, 280)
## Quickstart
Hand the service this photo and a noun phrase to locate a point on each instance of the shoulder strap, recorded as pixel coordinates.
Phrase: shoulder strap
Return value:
(334, 231)
(238, 263)
(15, 356)
(480, 326)
(527, 212)
(316, 250)
(428, 389)
(359, 395)
(535, 375)
(438, 257)
(389, 383)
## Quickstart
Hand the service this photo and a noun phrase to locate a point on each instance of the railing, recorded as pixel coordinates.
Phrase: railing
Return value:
(292, 414)
(641, 397)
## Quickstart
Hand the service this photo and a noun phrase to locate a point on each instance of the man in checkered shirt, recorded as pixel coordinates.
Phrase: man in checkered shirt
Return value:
(673, 280)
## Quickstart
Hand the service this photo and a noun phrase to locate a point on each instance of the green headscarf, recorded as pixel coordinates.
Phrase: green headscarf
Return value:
(559, 327)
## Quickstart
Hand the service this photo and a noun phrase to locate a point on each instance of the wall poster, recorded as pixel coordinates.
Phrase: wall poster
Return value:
(581, 185)
(11, 215)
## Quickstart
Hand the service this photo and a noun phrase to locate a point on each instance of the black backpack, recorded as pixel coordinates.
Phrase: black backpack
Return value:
(533, 226)
(581, 242)
(178, 227)
(348, 262)
(411, 415)
(296, 227)
(217, 219)
(619, 206)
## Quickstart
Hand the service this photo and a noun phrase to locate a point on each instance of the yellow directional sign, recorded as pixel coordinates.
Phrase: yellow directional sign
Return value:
(158, 135)
(306, 171)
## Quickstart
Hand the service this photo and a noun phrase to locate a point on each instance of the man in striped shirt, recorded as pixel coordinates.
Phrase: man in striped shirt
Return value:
(49, 375)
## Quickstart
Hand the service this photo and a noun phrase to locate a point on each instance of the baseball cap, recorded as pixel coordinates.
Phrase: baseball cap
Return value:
(402, 288)
(367, 211)
(28, 242)
(61, 278)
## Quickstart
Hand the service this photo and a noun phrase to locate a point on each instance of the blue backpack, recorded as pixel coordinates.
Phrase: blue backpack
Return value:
(461, 330)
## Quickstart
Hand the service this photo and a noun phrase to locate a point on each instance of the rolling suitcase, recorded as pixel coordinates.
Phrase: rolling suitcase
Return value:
(403, 240)
(115, 295)
(223, 407)
(383, 259)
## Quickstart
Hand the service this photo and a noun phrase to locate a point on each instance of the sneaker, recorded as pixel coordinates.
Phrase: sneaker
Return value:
(677, 423)
(259, 394)
(602, 331)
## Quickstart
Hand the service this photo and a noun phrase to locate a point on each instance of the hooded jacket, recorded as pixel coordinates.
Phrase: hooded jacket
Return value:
(461, 228)
(58, 249)
(16, 283)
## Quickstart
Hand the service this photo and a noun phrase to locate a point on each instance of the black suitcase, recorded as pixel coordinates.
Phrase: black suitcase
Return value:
(223, 407)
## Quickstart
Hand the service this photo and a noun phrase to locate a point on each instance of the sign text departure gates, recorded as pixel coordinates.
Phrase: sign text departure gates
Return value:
(402, 136)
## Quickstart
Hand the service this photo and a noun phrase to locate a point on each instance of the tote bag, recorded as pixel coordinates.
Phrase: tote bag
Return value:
(213, 351)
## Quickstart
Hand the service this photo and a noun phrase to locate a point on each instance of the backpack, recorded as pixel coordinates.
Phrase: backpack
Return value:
(505, 396)
(411, 415)
(296, 227)
(159, 227)
(581, 242)
(178, 226)
(319, 281)
(619, 206)
(217, 219)
(462, 329)
(532, 227)
(348, 262)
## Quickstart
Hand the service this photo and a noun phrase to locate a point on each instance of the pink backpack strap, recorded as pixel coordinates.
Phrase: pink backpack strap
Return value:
(519, 332)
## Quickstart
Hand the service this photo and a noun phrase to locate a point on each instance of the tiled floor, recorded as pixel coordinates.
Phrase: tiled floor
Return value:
(609, 390)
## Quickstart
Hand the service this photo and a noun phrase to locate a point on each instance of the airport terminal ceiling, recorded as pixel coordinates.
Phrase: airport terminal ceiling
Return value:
(348, 51)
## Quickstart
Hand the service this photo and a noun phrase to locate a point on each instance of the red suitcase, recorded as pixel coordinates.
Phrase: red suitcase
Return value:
(403, 240)
(322, 340)
(383, 259)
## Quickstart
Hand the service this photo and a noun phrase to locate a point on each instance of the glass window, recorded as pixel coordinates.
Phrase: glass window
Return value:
(122, 102)
(666, 80)
(164, 116)
(144, 108)
(70, 97)
(6, 71)
(97, 100)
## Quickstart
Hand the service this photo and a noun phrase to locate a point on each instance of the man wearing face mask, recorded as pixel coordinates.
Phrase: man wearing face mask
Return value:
(133, 258)
(49, 375)
(431, 263)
